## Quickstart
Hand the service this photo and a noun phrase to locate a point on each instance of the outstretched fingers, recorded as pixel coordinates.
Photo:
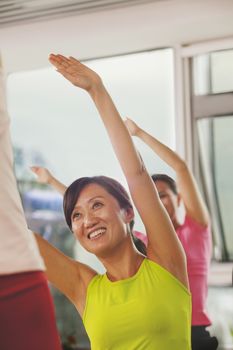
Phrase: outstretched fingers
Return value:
(59, 61)
(34, 169)
(74, 60)
(64, 64)
(74, 71)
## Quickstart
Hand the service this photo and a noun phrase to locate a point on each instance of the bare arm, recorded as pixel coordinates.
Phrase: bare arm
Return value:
(66, 274)
(44, 176)
(163, 244)
(194, 204)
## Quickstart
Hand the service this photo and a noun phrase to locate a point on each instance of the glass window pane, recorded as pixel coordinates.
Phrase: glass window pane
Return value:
(224, 174)
(216, 148)
(201, 74)
(222, 71)
(213, 73)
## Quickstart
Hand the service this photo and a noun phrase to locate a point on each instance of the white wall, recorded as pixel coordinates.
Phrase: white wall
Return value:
(153, 25)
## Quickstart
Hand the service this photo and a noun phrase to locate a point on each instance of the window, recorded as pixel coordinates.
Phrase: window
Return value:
(216, 150)
(213, 72)
(222, 71)
(213, 113)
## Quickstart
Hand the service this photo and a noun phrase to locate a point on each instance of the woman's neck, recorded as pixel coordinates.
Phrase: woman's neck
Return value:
(124, 263)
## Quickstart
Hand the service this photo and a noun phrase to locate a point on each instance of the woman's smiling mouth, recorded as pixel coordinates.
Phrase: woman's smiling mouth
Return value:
(96, 234)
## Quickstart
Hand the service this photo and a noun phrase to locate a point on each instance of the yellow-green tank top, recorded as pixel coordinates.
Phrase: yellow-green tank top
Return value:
(149, 311)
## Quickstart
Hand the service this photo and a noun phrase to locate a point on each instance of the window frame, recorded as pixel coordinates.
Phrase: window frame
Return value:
(190, 109)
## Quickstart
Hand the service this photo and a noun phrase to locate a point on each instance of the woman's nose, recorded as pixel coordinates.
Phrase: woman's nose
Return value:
(89, 220)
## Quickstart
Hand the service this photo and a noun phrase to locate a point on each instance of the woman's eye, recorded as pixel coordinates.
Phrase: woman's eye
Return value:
(97, 205)
(76, 216)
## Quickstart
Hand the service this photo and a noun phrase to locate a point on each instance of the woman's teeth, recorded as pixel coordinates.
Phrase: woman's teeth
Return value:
(96, 233)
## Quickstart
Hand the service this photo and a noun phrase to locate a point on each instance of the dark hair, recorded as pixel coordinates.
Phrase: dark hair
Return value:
(165, 178)
(113, 187)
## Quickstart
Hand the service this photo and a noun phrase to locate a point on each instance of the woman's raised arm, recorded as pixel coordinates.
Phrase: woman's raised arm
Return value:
(163, 244)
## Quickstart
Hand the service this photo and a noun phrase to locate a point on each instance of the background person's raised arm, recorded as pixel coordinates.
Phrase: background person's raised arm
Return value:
(187, 186)
(44, 176)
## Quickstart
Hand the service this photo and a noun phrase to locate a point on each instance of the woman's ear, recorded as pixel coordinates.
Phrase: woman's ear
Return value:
(128, 215)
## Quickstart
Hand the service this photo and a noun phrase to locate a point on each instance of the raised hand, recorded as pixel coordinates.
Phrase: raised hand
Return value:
(43, 175)
(132, 127)
(76, 72)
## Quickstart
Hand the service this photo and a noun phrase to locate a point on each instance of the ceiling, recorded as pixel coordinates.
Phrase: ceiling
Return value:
(22, 11)
(94, 29)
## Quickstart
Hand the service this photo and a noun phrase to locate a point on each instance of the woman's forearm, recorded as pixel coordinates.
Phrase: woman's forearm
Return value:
(57, 185)
(164, 152)
(44, 176)
(118, 133)
(189, 191)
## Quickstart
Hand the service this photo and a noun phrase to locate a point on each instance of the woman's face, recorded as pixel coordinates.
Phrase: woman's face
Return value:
(97, 220)
(169, 199)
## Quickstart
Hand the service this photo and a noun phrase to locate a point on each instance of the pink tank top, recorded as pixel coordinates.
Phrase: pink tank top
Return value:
(141, 236)
(196, 240)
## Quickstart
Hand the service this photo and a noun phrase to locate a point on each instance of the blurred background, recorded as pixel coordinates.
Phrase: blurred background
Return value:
(168, 64)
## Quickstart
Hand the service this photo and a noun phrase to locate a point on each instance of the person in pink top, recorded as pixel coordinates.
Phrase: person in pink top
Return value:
(194, 233)
(27, 319)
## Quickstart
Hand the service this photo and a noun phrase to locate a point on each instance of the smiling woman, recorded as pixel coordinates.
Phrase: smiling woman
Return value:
(100, 214)
(72, 211)
(96, 210)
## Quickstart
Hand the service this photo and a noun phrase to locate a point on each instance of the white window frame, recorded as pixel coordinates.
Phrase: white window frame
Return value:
(190, 108)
